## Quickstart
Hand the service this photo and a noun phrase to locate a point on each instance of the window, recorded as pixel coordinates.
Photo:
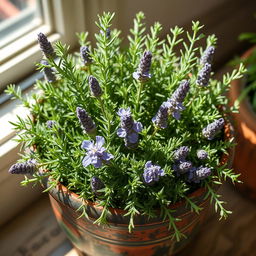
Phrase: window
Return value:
(18, 43)
(18, 18)
(19, 25)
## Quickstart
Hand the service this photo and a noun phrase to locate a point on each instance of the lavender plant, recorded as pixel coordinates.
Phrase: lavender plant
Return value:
(154, 107)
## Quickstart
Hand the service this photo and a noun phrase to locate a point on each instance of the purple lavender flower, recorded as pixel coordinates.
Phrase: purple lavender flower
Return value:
(129, 128)
(95, 87)
(177, 98)
(207, 56)
(96, 153)
(126, 118)
(198, 174)
(213, 128)
(204, 75)
(50, 123)
(181, 167)
(161, 118)
(201, 154)
(184, 166)
(48, 72)
(29, 167)
(152, 173)
(85, 55)
(45, 46)
(96, 184)
(108, 33)
(142, 74)
(85, 120)
(181, 153)
(181, 92)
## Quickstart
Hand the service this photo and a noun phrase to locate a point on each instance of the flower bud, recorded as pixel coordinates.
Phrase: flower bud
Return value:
(85, 55)
(29, 167)
(95, 87)
(213, 128)
(207, 55)
(48, 72)
(142, 74)
(96, 184)
(204, 75)
(45, 46)
(85, 120)
(181, 153)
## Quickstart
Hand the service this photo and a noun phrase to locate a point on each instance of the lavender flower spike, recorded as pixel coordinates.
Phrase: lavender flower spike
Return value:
(204, 75)
(161, 118)
(45, 46)
(50, 124)
(85, 55)
(29, 167)
(213, 128)
(198, 174)
(152, 173)
(96, 153)
(181, 92)
(48, 72)
(184, 166)
(207, 56)
(85, 120)
(96, 184)
(129, 128)
(181, 153)
(108, 33)
(95, 87)
(142, 74)
(201, 154)
(177, 98)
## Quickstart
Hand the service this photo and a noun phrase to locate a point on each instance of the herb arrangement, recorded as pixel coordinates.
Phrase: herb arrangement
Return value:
(138, 128)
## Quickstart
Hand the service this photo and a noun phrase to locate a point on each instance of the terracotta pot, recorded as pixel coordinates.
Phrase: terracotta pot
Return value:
(245, 127)
(150, 237)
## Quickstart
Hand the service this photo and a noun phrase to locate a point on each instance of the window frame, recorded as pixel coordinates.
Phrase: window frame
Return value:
(22, 54)
(19, 64)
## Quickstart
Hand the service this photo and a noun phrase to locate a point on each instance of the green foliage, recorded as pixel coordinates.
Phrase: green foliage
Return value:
(250, 63)
(59, 149)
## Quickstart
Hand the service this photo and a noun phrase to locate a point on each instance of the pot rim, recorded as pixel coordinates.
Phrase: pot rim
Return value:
(246, 113)
(226, 158)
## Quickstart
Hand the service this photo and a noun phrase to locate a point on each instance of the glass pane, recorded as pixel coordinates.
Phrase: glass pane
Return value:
(17, 17)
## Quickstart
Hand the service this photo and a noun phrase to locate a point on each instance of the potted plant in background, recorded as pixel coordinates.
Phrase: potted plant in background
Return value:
(243, 93)
(131, 144)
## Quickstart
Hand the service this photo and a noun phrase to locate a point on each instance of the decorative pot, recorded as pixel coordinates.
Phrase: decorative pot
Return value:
(150, 237)
(245, 127)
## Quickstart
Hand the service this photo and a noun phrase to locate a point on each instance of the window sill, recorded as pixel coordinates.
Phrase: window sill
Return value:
(9, 154)
(35, 233)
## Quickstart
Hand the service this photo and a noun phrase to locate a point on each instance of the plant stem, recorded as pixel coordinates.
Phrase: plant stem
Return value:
(154, 133)
(49, 162)
(105, 115)
(103, 108)
(89, 70)
(138, 97)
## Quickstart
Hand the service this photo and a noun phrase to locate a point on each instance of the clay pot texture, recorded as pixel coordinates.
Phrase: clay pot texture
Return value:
(245, 127)
(150, 237)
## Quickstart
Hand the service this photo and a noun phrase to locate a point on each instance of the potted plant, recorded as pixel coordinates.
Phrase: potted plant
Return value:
(243, 93)
(131, 144)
